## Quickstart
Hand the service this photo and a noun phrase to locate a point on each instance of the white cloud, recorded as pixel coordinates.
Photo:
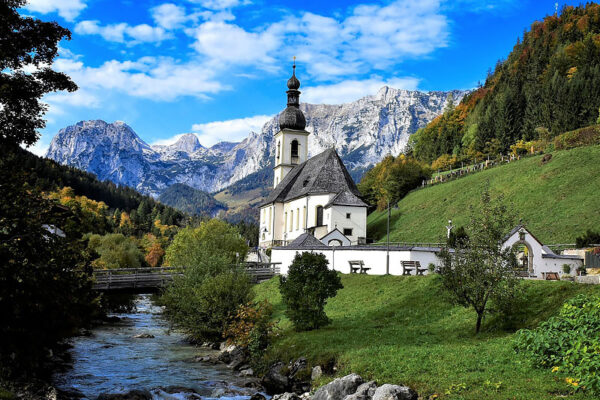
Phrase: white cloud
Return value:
(350, 90)
(39, 148)
(152, 78)
(221, 4)
(169, 15)
(232, 130)
(123, 32)
(68, 9)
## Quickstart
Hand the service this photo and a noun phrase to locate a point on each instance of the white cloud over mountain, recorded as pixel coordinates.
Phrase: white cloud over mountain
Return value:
(68, 9)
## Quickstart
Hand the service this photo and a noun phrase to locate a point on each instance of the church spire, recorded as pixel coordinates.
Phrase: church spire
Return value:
(292, 117)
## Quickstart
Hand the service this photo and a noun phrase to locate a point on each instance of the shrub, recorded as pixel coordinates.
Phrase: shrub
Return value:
(306, 289)
(587, 136)
(566, 269)
(569, 343)
(115, 251)
(203, 300)
(252, 328)
(589, 238)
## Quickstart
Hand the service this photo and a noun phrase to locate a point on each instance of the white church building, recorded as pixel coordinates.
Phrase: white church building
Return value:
(310, 195)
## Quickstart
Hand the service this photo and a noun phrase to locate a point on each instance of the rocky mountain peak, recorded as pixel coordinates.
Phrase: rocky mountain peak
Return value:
(188, 143)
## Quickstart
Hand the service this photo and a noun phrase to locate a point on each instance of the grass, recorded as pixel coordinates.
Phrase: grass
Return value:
(558, 200)
(404, 330)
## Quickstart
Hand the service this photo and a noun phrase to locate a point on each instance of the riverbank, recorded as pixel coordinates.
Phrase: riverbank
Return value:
(402, 330)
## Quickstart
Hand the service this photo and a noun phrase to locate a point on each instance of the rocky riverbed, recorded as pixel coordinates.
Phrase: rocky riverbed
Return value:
(136, 356)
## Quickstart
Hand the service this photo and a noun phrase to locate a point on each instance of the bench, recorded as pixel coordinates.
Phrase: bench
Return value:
(552, 276)
(358, 266)
(409, 266)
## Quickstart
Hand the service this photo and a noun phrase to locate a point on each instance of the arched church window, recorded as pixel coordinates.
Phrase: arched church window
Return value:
(295, 151)
(319, 215)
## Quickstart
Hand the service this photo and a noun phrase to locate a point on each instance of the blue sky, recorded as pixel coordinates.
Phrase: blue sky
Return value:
(218, 67)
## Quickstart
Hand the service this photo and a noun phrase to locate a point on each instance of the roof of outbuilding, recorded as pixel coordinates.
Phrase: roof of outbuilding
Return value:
(323, 173)
(306, 240)
(346, 198)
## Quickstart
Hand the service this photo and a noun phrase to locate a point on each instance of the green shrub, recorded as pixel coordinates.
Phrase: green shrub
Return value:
(589, 238)
(566, 269)
(569, 343)
(587, 136)
(203, 300)
(306, 289)
(115, 251)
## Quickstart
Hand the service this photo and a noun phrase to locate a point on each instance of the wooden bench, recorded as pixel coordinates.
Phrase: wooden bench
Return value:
(358, 266)
(409, 266)
(552, 276)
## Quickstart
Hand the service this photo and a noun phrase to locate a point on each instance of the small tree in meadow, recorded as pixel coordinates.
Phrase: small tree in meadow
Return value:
(306, 288)
(480, 271)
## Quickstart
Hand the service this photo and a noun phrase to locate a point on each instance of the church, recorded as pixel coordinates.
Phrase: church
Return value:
(310, 195)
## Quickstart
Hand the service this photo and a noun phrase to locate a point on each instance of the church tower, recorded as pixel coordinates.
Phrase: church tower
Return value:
(291, 142)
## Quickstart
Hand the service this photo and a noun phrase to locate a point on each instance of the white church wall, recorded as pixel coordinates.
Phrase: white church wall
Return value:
(357, 221)
(373, 258)
(313, 202)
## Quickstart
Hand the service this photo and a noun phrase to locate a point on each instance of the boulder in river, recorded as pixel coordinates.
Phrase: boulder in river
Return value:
(286, 396)
(143, 336)
(275, 380)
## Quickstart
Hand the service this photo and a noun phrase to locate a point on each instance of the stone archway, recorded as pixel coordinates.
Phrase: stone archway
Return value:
(524, 256)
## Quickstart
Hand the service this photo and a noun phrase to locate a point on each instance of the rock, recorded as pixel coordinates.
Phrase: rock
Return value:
(274, 380)
(286, 396)
(258, 396)
(339, 388)
(247, 372)
(316, 373)
(394, 392)
(143, 336)
(132, 395)
(178, 389)
(237, 358)
(202, 359)
(363, 392)
(297, 366)
(305, 396)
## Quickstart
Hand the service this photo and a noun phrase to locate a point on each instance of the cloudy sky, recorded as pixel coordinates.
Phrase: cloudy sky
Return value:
(218, 67)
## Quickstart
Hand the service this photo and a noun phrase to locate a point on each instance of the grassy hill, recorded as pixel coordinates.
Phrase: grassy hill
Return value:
(396, 329)
(558, 201)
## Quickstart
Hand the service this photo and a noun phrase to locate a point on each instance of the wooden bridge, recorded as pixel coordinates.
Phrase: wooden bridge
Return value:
(152, 279)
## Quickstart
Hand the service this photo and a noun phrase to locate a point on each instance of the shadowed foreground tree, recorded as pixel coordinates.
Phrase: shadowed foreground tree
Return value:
(480, 271)
(27, 48)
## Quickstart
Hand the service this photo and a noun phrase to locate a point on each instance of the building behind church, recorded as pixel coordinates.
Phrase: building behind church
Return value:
(316, 195)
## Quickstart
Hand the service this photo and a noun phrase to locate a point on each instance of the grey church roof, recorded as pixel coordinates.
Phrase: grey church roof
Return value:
(323, 173)
(346, 198)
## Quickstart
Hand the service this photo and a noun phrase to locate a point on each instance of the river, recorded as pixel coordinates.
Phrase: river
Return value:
(111, 360)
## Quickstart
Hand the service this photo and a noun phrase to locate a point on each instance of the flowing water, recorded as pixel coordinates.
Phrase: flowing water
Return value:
(111, 360)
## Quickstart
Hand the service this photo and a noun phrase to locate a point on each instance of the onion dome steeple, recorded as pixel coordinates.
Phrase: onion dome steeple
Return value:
(292, 117)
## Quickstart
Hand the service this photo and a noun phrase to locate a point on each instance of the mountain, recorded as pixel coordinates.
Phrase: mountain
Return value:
(191, 201)
(548, 84)
(362, 131)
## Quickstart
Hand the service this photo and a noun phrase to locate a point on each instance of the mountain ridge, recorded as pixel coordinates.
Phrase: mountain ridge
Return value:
(362, 131)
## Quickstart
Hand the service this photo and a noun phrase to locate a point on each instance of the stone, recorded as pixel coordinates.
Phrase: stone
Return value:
(286, 396)
(339, 388)
(202, 359)
(143, 336)
(394, 392)
(316, 373)
(237, 358)
(258, 396)
(297, 366)
(132, 395)
(363, 392)
(274, 380)
(247, 372)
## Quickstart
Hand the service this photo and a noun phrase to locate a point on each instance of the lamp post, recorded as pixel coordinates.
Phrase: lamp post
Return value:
(449, 228)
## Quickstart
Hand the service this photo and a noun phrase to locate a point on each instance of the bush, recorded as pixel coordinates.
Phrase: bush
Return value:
(115, 251)
(569, 343)
(306, 289)
(566, 269)
(588, 239)
(252, 328)
(587, 136)
(203, 300)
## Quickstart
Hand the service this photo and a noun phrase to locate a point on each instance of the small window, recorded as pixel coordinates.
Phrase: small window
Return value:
(347, 232)
(348, 215)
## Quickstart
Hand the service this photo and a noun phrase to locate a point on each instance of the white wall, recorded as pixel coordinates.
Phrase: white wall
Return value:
(357, 221)
(373, 258)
